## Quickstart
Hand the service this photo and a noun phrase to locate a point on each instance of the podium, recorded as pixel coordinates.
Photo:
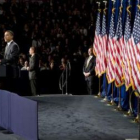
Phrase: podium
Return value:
(9, 75)
(9, 71)
(5, 71)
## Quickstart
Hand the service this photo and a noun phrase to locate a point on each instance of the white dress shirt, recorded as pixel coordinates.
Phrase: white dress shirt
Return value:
(89, 58)
(7, 46)
(9, 42)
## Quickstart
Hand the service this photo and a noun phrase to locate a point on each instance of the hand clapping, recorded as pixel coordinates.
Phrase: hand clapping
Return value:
(28, 68)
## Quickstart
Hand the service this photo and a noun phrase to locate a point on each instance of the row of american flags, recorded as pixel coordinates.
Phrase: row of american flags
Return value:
(118, 51)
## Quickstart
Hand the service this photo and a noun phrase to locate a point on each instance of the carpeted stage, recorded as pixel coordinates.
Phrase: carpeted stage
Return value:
(79, 118)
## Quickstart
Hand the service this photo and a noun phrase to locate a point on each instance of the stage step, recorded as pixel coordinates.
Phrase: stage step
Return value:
(131, 139)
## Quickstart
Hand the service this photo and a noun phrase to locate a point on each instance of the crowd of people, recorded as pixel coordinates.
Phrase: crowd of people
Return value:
(60, 30)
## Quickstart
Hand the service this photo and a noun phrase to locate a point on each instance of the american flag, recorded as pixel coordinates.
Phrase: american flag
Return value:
(104, 42)
(97, 33)
(118, 47)
(136, 36)
(110, 51)
(97, 44)
(127, 50)
(135, 54)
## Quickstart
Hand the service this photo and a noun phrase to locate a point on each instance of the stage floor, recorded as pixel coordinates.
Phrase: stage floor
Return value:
(78, 117)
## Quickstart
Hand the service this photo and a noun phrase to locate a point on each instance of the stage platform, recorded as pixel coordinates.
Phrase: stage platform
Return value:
(79, 117)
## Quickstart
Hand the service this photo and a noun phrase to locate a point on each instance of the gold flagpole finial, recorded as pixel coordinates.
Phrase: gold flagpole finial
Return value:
(138, 5)
(99, 4)
(121, 7)
(128, 7)
(121, 1)
(113, 10)
(113, 1)
(105, 2)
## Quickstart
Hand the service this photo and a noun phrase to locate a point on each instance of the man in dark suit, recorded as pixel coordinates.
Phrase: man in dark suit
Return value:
(89, 71)
(33, 70)
(11, 52)
(10, 59)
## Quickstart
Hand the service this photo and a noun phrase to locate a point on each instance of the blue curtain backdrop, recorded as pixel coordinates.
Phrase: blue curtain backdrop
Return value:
(107, 88)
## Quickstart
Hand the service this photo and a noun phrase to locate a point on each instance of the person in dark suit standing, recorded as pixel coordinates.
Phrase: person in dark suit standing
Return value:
(10, 59)
(89, 71)
(33, 70)
(11, 51)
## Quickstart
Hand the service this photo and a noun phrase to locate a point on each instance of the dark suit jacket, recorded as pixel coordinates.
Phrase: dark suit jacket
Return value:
(34, 67)
(11, 54)
(90, 68)
(11, 59)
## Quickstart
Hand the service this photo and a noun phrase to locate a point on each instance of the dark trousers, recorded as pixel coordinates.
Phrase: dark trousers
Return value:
(33, 84)
(90, 87)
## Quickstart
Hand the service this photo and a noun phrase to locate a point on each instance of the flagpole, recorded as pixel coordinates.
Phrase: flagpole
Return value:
(105, 2)
(99, 93)
(98, 4)
(105, 99)
(112, 100)
(119, 108)
(137, 119)
(139, 114)
(129, 112)
(113, 3)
